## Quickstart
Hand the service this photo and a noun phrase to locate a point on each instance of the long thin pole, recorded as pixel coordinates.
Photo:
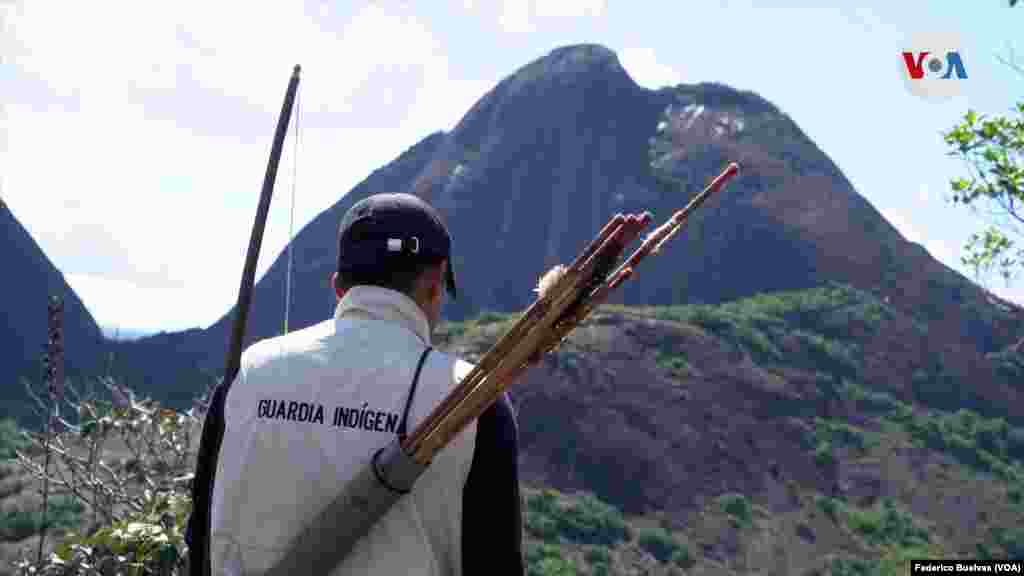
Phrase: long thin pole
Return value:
(291, 219)
(213, 425)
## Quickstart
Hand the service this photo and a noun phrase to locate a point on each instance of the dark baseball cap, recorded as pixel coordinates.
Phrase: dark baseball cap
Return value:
(386, 230)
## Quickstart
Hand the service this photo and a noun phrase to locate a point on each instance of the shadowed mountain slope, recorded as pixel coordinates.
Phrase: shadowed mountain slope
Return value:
(30, 278)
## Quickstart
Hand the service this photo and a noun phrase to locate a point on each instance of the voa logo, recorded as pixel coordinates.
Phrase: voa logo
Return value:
(933, 66)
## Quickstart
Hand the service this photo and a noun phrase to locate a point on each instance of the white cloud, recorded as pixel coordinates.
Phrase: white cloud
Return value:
(924, 194)
(167, 44)
(910, 226)
(515, 17)
(865, 17)
(141, 180)
(526, 16)
(140, 307)
(571, 9)
(1013, 293)
(904, 224)
(944, 252)
(646, 69)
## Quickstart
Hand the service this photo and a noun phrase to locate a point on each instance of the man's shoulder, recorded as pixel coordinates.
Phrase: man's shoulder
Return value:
(459, 367)
(281, 348)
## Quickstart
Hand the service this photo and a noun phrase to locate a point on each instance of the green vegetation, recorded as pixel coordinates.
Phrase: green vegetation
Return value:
(892, 562)
(844, 566)
(453, 329)
(886, 525)
(827, 434)
(737, 506)
(830, 506)
(471, 154)
(599, 561)
(597, 555)
(140, 528)
(981, 443)
(827, 310)
(673, 361)
(837, 432)
(664, 547)
(820, 319)
(587, 520)
(749, 332)
(546, 560)
(63, 514)
(1011, 540)
(897, 558)
(991, 148)
(939, 388)
(449, 330)
(555, 519)
(151, 537)
(892, 531)
(882, 525)
(11, 439)
(872, 401)
(986, 444)
(490, 317)
(1010, 364)
(682, 557)
(824, 456)
(1015, 494)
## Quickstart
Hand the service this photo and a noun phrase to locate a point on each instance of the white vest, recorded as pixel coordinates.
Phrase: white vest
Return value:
(308, 410)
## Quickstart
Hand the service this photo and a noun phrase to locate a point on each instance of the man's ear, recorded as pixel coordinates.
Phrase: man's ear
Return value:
(334, 284)
(440, 271)
(433, 280)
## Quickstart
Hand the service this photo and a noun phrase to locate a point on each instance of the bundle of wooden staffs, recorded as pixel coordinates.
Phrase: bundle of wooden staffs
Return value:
(566, 296)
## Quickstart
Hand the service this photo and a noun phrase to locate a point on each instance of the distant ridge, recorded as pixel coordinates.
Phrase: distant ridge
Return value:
(29, 278)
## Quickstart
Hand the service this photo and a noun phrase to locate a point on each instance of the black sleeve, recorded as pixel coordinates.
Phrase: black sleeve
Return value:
(492, 521)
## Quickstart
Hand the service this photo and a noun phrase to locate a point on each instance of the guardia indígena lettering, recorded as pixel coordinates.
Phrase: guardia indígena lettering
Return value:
(359, 418)
(364, 418)
(290, 410)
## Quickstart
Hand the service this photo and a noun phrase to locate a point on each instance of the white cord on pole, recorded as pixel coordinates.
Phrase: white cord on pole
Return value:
(291, 223)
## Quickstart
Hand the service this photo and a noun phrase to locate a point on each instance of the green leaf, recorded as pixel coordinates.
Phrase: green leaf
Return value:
(989, 130)
(64, 550)
(168, 554)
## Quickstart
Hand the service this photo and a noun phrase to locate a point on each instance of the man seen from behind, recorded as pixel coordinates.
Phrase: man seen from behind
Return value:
(309, 409)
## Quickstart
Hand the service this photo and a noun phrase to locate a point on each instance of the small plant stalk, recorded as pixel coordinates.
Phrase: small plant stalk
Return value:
(46, 489)
(53, 362)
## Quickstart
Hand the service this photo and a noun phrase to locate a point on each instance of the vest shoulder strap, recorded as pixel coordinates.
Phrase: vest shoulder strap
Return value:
(402, 427)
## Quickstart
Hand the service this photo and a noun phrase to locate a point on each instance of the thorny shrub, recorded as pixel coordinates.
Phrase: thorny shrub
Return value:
(129, 464)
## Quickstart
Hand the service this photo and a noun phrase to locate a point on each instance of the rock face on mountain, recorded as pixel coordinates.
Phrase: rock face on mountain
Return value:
(546, 157)
(29, 279)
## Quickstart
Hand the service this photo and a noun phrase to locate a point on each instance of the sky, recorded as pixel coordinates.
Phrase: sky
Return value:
(134, 136)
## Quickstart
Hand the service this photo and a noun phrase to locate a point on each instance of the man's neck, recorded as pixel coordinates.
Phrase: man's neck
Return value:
(387, 303)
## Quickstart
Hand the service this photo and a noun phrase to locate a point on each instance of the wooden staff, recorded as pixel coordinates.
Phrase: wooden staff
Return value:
(544, 325)
(575, 316)
(651, 245)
